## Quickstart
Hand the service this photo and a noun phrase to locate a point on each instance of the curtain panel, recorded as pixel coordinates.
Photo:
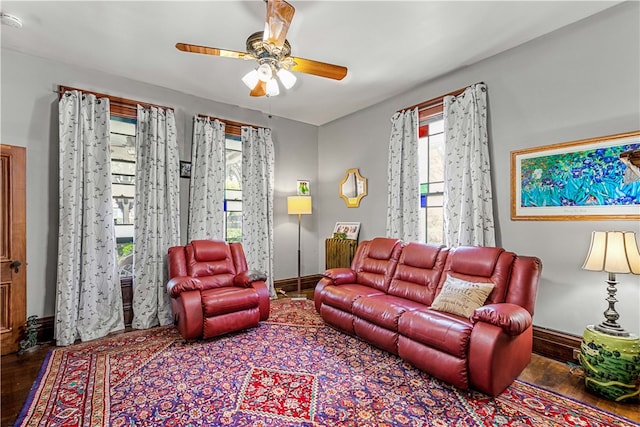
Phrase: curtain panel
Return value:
(403, 203)
(258, 162)
(206, 205)
(468, 202)
(157, 214)
(88, 293)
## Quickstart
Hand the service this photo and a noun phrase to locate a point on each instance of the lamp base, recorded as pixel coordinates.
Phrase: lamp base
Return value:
(611, 329)
(298, 297)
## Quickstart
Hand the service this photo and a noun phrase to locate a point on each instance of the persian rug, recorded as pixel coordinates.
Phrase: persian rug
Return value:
(290, 371)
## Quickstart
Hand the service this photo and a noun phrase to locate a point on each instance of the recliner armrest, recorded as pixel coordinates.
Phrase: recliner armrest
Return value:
(180, 284)
(512, 318)
(246, 278)
(340, 275)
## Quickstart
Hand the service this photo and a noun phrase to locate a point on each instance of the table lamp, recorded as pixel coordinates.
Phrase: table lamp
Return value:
(300, 205)
(613, 252)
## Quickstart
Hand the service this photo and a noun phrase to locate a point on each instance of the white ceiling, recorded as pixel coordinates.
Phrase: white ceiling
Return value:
(389, 47)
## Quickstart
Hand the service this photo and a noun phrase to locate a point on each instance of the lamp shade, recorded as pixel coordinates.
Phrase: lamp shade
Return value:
(299, 205)
(265, 73)
(287, 78)
(613, 252)
(251, 79)
(272, 88)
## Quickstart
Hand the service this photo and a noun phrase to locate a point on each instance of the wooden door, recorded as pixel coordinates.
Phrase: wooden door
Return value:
(13, 221)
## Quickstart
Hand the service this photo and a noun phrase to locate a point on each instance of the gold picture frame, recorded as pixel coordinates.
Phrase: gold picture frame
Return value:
(578, 180)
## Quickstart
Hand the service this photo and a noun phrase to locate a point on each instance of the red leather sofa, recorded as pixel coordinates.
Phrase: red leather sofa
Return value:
(212, 291)
(386, 299)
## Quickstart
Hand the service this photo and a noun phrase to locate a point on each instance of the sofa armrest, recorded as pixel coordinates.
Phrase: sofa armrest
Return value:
(512, 318)
(339, 276)
(180, 284)
(246, 278)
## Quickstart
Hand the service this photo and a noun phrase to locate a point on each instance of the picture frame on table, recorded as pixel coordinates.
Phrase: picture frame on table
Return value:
(349, 229)
(580, 180)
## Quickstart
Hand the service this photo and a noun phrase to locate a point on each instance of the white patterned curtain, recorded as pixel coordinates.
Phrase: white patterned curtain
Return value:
(258, 161)
(468, 215)
(157, 214)
(88, 293)
(206, 207)
(403, 203)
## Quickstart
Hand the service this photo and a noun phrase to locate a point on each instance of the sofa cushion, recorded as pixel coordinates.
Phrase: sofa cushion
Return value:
(343, 296)
(208, 258)
(460, 297)
(228, 300)
(375, 267)
(444, 332)
(474, 260)
(482, 264)
(418, 272)
(383, 310)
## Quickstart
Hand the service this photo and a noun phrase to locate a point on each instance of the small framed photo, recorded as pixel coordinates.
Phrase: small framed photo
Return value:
(302, 188)
(350, 229)
(185, 169)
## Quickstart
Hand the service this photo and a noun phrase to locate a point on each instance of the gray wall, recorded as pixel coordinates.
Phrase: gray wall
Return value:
(30, 119)
(578, 82)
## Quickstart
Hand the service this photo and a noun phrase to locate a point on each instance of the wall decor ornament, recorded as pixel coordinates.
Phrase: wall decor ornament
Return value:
(353, 187)
(185, 169)
(579, 180)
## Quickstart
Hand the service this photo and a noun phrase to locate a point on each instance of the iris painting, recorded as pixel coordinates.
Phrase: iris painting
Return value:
(592, 177)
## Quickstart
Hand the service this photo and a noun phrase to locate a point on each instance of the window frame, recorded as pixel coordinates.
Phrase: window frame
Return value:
(232, 130)
(426, 111)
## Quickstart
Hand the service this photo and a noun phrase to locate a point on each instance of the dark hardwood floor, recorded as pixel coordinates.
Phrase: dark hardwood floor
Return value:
(20, 371)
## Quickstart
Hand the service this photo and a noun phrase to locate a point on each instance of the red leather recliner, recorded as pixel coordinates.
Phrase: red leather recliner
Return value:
(212, 291)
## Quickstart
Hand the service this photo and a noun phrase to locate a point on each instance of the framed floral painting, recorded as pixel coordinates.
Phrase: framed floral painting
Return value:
(580, 180)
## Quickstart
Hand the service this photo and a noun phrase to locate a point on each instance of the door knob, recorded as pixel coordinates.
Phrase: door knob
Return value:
(16, 266)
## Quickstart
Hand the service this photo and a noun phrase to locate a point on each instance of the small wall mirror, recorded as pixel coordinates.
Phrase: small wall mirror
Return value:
(353, 188)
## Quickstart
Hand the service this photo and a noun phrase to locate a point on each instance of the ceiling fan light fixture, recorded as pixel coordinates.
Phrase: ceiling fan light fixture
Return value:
(272, 88)
(250, 79)
(265, 73)
(287, 78)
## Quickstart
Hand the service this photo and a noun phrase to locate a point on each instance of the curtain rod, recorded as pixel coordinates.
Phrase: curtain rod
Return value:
(122, 102)
(435, 101)
(231, 127)
(225, 121)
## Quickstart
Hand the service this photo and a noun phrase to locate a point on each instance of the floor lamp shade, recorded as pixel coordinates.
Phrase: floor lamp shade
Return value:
(299, 205)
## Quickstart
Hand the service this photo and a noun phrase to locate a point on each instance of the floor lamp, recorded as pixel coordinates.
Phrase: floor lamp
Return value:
(300, 205)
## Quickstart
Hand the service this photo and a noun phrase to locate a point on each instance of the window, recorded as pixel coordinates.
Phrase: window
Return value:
(233, 189)
(233, 179)
(123, 171)
(431, 160)
(431, 173)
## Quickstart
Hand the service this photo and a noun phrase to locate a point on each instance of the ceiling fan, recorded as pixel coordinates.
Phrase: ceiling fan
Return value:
(272, 51)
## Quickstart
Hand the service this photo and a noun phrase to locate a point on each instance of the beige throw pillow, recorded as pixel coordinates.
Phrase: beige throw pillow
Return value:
(461, 297)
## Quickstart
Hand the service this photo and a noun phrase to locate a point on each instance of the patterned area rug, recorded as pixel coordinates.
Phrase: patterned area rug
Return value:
(290, 371)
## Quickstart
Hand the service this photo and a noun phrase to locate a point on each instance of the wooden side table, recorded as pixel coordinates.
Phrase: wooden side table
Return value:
(339, 252)
(611, 365)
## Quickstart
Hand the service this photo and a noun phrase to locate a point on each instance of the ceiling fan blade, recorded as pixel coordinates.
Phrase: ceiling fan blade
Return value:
(205, 50)
(322, 69)
(279, 16)
(260, 89)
